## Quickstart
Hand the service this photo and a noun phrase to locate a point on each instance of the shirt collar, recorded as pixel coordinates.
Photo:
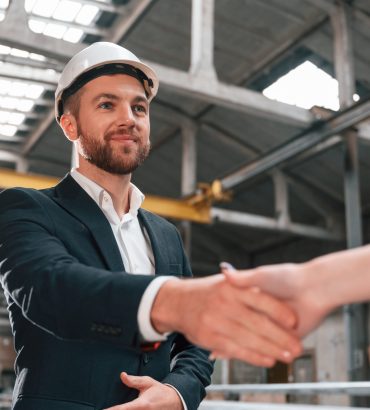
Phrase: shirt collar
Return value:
(96, 192)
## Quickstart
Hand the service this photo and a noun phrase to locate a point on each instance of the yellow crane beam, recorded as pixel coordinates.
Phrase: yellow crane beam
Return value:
(166, 207)
(11, 179)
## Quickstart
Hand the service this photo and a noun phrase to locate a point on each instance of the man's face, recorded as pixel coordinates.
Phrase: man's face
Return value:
(113, 123)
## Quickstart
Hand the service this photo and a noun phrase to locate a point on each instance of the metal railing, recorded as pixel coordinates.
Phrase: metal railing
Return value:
(349, 388)
(327, 388)
(230, 405)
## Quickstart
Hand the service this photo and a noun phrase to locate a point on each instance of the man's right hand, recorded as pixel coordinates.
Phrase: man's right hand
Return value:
(240, 323)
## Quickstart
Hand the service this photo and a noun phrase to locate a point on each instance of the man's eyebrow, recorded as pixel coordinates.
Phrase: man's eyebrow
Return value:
(115, 97)
(105, 95)
(140, 99)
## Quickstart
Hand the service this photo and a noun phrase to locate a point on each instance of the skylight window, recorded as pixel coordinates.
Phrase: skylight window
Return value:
(73, 35)
(67, 10)
(16, 118)
(87, 14)
(34, 91)
(60, 13)
(36, 26)
(306, 86)
(5, 50)
(25, 105)
(55, 30)
(19, 53)
(45, 8)
(4, 4)
(16, 99)
(8, 130)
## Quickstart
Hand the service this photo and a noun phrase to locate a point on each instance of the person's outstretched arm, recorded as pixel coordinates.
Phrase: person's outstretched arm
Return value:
(245, 324)
(313, 288)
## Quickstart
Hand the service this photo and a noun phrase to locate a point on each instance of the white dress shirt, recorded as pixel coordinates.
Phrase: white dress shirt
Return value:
(134, 246)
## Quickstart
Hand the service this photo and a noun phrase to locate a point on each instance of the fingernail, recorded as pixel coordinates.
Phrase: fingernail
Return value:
(212, 357)
(286, 355)
(227, 266)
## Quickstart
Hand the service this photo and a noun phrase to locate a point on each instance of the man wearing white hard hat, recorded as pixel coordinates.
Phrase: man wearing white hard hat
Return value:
(100, 317)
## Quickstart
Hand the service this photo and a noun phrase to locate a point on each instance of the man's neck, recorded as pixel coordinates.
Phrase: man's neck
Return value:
(116, 185)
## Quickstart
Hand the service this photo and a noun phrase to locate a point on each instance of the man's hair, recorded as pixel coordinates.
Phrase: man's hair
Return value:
(72, 103)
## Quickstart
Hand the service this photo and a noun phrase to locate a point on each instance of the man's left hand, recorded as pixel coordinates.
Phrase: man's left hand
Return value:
(153, 395)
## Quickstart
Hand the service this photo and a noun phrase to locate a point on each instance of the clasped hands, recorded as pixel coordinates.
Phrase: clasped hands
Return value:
(257, 316)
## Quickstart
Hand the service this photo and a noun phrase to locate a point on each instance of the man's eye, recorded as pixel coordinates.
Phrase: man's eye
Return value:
(105, 105)
(139, 108)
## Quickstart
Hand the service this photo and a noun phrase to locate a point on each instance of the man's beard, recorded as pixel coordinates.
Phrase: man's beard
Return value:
(120, 161)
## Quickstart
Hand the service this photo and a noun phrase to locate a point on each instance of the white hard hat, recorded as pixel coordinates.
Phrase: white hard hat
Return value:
(99, 59)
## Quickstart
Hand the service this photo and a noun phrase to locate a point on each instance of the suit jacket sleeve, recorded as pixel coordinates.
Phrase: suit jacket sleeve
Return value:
(52, 288)
(191, 369)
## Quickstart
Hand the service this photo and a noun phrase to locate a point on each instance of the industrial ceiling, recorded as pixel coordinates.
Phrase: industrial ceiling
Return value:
(284, 166)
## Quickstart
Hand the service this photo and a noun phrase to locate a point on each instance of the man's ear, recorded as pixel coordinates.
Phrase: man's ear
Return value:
(69, 125)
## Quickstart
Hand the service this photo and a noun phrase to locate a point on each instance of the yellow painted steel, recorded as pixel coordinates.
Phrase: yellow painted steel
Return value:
(177, 209)
(10, 179)
(166, 207)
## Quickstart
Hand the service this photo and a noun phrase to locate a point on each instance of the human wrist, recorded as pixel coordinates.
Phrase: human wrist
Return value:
(164, 314)
(317, 285)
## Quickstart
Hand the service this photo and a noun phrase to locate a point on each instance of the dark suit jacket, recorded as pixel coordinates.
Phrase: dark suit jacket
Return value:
(73, 309)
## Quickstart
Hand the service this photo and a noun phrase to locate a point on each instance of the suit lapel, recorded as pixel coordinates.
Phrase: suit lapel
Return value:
(156, 236)
(78, 203)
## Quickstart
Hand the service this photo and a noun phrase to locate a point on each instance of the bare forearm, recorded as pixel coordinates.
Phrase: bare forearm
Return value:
(339, 278)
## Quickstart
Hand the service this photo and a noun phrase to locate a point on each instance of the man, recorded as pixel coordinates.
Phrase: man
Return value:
(90, 278)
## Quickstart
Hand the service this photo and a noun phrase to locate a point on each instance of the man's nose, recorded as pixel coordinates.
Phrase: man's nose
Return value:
(126, 117)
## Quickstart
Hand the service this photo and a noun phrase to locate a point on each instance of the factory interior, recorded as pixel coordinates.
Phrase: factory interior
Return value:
(260, 147)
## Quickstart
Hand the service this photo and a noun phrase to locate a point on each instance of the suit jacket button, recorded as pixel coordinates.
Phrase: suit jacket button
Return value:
(146, 358)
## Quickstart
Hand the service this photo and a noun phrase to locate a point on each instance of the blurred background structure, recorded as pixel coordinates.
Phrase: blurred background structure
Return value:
(260, 141)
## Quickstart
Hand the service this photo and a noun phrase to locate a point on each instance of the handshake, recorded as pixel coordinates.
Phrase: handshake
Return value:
(260, 315)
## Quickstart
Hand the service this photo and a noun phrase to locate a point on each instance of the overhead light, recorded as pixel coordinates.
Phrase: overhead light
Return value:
(4, 49)
(5, 86)
(17, 89)
(8, 130)
(4, 116)
(4, 4)
(19, 53)
(34, 91)
(67, 10)
(45, 8)
(37, 57)
(36, 26)
(24, 105)
(55, 30)
(9, 102)
(73, 35)
(16, 118)
(87, 14)
(28, 5)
